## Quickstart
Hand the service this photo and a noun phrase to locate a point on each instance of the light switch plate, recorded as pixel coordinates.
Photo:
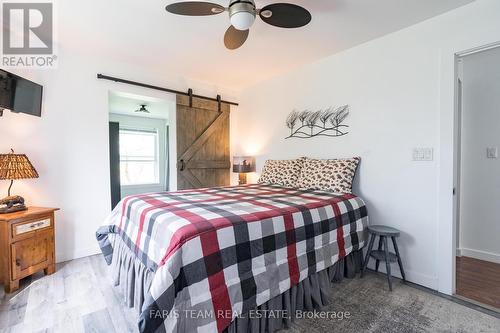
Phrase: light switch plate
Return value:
(423, 154)
(492, 152)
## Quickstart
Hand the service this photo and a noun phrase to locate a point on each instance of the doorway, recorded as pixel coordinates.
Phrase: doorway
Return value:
(477, 177)
(139, 144)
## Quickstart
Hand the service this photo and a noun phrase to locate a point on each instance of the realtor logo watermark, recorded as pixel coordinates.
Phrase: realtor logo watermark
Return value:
(28, 34)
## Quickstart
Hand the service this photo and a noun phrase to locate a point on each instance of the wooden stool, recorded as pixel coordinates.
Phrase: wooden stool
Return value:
(383, 254)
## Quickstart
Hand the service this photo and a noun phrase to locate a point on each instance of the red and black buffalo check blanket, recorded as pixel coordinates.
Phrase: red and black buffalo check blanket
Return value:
(218, 253)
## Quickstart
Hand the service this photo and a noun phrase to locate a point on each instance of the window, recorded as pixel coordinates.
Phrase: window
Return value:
(139, 163)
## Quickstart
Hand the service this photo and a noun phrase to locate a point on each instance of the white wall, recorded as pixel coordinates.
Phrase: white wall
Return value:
(400, 88)
(480, 176)
(395, 86)
(153, 124)
(69, 145)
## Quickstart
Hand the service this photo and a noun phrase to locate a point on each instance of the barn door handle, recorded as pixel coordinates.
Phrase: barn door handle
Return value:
(183, 165)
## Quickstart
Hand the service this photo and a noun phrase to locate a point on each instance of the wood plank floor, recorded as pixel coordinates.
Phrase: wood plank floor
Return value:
(79, 297)
(479, 280)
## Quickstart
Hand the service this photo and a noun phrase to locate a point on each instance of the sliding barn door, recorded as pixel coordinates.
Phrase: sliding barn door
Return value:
(203, 158)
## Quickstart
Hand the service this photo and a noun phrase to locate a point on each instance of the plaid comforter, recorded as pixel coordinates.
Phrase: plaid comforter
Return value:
(218, 253)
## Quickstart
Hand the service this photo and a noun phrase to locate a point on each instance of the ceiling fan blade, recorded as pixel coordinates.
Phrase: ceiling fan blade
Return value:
(234, 38)
(285, 15)
(195, 8)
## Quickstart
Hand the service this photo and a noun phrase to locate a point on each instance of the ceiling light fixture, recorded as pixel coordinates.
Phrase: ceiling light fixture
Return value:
(242, 14)
(143, 109)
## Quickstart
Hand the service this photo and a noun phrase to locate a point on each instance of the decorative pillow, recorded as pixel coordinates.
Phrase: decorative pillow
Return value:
(281, 172)
(328, 175)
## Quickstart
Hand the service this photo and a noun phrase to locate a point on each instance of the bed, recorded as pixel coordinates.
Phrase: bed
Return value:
(205, 260)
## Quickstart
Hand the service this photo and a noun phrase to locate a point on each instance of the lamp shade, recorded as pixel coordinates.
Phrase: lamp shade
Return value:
(16, 166)
(243, 164)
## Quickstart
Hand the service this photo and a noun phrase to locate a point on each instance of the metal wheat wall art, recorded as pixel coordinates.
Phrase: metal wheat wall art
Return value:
(308, 124)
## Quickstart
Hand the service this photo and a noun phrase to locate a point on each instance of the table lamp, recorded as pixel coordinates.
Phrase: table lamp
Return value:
(14, 166)
(243, 165)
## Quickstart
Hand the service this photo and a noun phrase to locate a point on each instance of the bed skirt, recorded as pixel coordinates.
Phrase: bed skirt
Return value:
(133, 280)
(130, 275)
(312, 293)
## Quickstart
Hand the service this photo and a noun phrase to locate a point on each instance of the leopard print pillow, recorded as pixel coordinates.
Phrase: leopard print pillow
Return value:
(281, 172)
(328, 175)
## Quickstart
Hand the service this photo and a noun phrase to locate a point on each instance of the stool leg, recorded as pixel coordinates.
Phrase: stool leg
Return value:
(387, 263)
(400, 263)
(372, 239)
(377, 263)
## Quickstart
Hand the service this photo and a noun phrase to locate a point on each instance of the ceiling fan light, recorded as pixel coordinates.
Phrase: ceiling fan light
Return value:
(242, 20)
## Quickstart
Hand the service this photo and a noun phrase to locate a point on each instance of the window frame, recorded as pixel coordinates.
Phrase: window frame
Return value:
(156, 159)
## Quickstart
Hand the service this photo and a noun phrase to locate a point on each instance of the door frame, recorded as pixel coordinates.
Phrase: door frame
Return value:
(110, 86)
(447, 180)
(457, 163)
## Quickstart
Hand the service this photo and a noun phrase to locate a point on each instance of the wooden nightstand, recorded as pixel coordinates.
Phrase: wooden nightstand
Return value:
(26, 245)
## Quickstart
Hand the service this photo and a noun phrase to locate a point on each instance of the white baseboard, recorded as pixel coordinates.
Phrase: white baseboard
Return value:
(78, 253)
(481, 255)
(412, 276)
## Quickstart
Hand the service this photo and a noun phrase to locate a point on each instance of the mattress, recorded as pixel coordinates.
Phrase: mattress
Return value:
(218, 253)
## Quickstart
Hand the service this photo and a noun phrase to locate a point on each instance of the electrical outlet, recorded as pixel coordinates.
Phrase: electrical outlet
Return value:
(423, 154)
(492, 152)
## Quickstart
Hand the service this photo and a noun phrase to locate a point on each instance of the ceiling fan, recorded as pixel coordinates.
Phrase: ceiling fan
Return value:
(142, 109)
(242, 15)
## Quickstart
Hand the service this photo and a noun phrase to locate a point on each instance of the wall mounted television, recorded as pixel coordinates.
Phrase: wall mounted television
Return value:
(20, 95)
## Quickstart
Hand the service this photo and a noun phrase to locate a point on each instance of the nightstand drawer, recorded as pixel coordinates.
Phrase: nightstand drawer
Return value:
(19, 229)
